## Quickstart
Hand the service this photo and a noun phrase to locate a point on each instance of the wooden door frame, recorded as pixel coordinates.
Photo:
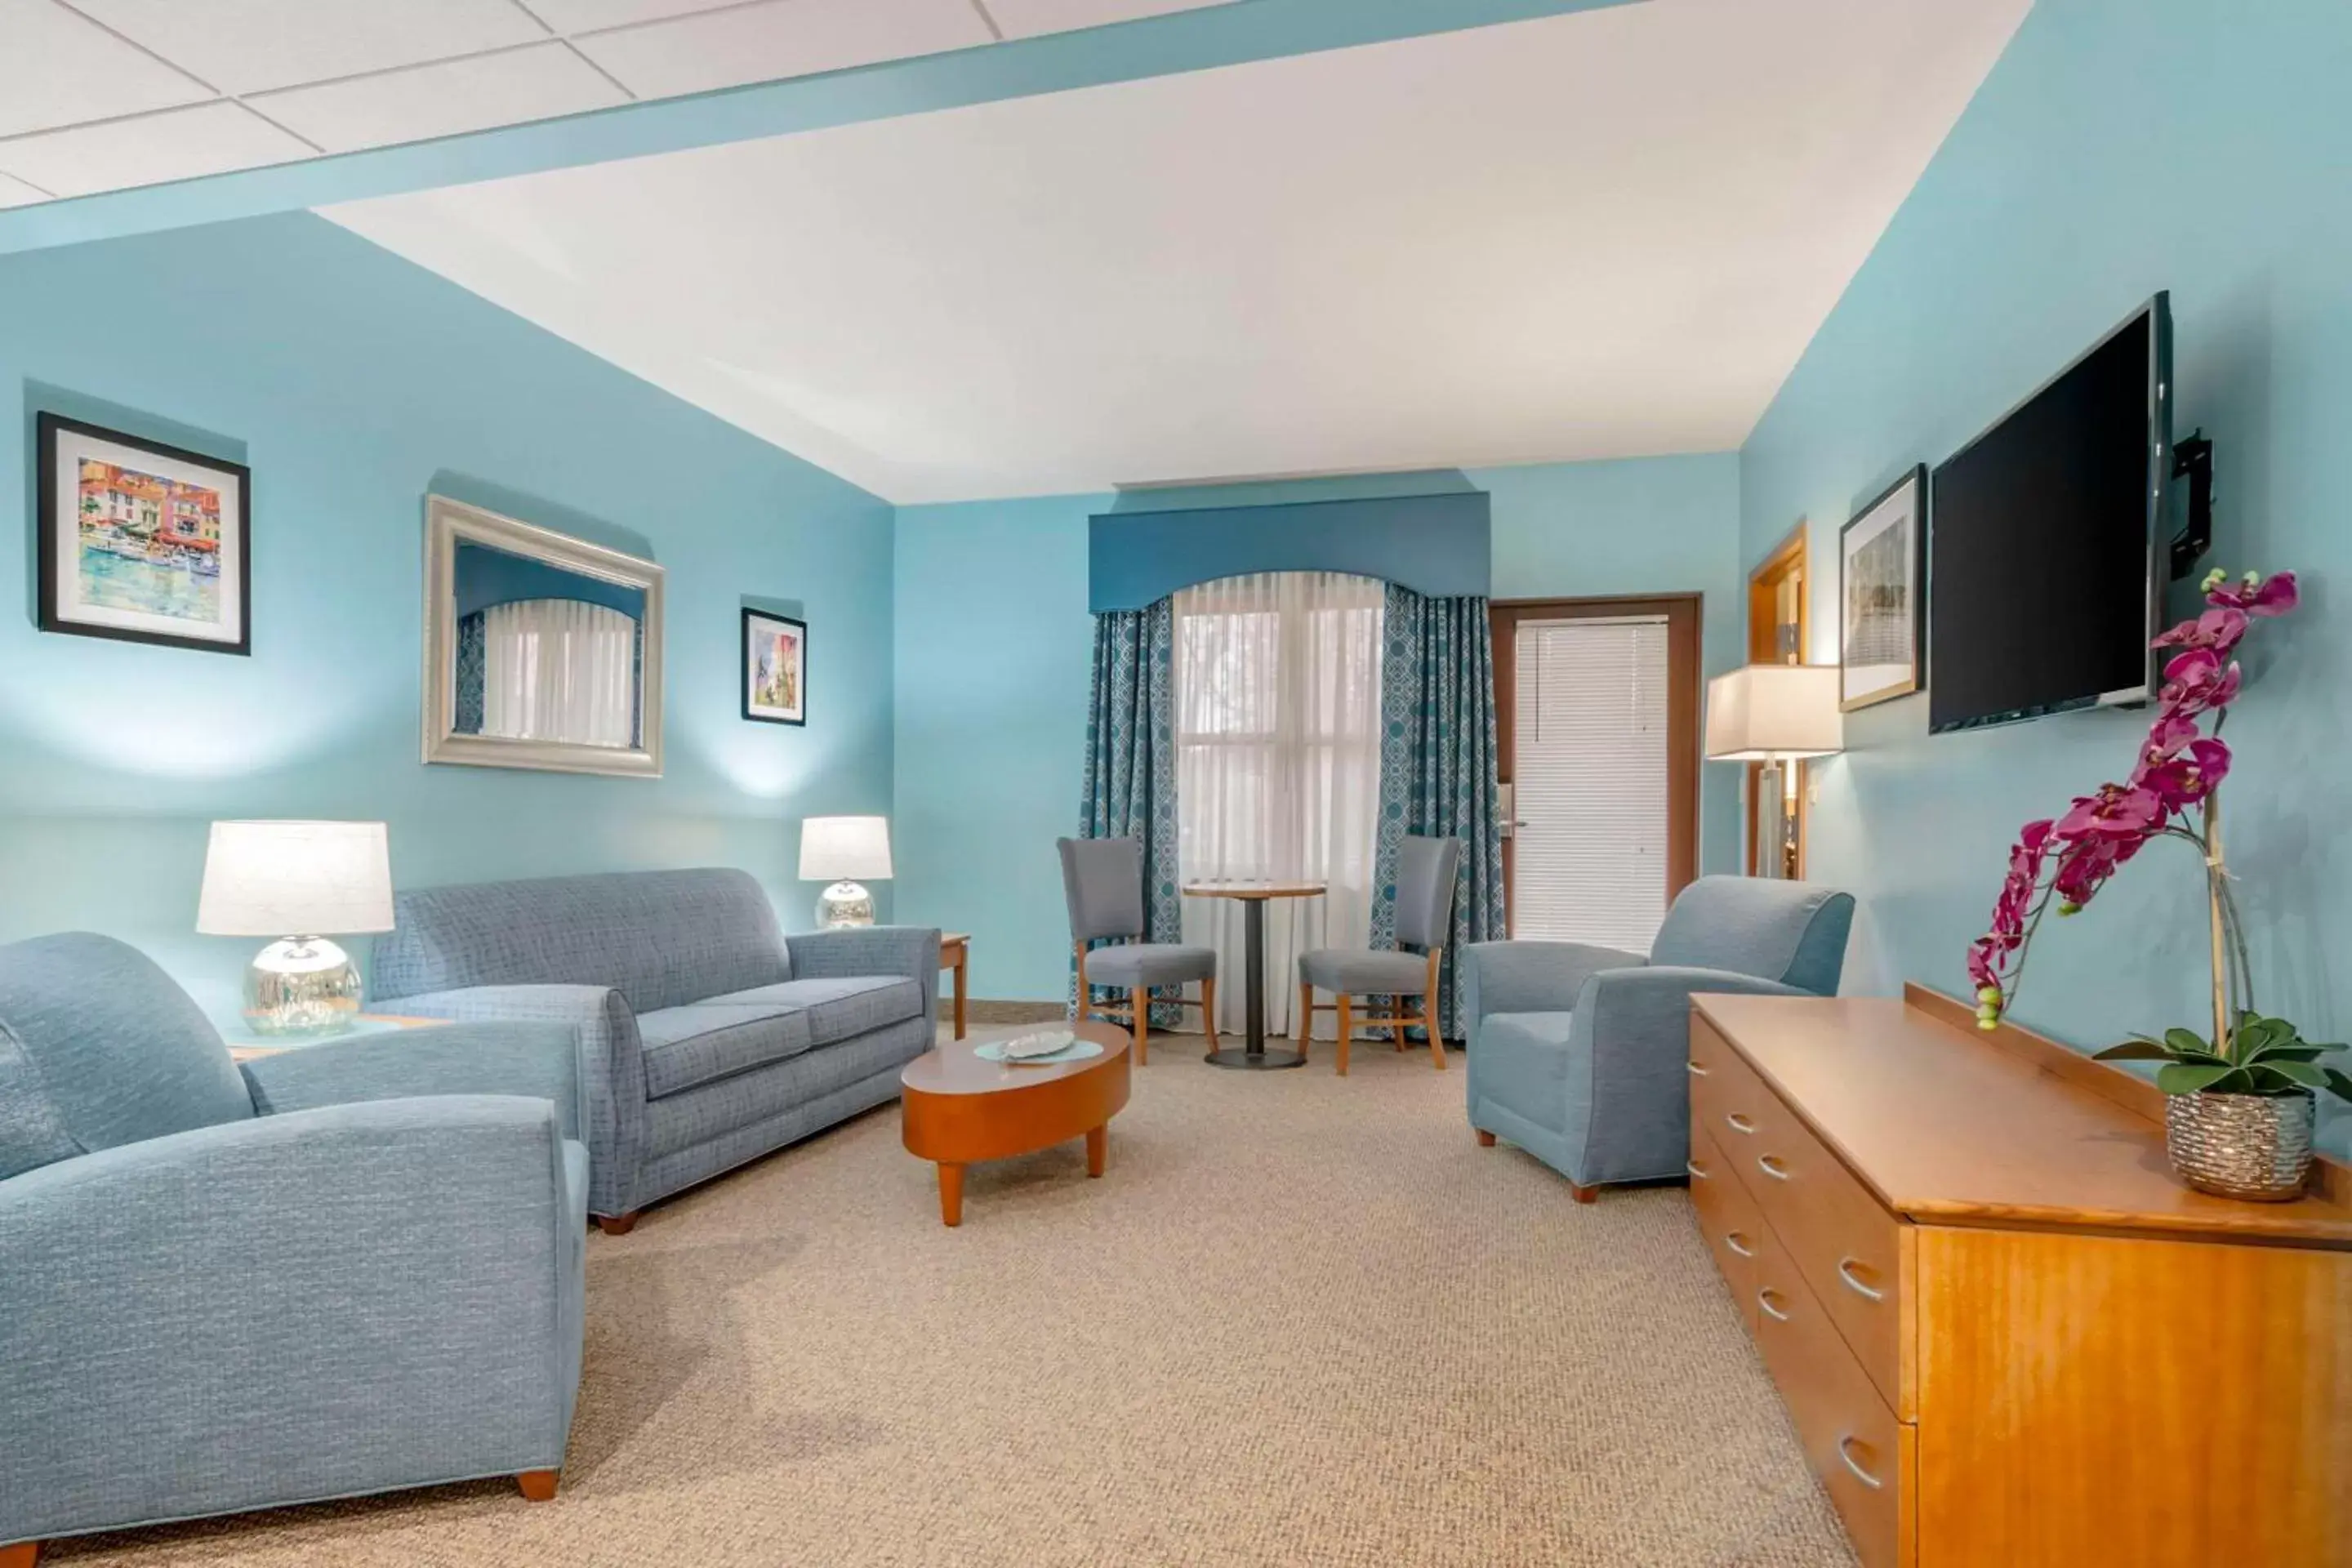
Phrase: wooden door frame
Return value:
(1684, 614)
(1791, 556)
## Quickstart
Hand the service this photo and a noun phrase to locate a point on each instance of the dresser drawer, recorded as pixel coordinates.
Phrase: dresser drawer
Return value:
(1868, 1461)
(1728, 1220)
(1726, 1099)
(1849, 1249)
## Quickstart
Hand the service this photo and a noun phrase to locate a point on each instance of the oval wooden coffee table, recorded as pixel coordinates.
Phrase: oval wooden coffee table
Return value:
(957, 1108)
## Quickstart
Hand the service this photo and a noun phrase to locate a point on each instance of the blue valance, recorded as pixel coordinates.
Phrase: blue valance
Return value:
(1437, 545)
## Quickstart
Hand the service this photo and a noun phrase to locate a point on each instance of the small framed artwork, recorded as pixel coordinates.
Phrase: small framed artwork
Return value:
(775, 668)
(1881, 572)
(140, 542)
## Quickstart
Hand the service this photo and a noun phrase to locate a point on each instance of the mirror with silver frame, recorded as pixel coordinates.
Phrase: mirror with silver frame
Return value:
(540, 650)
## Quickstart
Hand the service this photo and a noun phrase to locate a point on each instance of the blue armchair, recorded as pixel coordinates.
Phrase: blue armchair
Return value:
(1580, 1055)
(353, 1268)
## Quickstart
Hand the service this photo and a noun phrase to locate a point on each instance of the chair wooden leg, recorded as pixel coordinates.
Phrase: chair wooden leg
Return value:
(1396, 1034)
(537, 1486)
(1584, 1195)
(1347, 1025)
(1142, 1024)
(1436, 1043)
(1209, 1010)
(617, 1224)
(24, 1554)
(1306, 1030)
(1485, 1139)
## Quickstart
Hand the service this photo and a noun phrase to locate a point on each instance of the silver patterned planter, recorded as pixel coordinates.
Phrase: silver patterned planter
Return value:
(2253, 1146)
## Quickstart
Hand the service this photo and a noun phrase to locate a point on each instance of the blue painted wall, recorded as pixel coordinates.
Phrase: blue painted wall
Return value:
(2119, 147)
(352, 382)
(993, 642)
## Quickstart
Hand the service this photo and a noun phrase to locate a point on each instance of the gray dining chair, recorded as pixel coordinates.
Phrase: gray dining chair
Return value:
(1103, 880)
(1426, 869)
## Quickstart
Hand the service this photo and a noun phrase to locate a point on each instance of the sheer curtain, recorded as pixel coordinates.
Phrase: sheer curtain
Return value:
(1279, 765)
(558, 669)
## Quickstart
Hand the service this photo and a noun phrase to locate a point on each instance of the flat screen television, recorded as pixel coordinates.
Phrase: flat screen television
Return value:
(2043, 584)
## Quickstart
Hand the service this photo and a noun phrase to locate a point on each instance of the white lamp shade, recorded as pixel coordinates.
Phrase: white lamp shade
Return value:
(1774, 710)
(845, 850)
(296, 879)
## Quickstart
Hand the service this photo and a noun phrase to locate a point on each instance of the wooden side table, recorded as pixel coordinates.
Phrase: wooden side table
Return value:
(955, 952)
(247, 1047)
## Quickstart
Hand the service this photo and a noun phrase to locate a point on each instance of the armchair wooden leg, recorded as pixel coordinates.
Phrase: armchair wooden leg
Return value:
(1584, 1195)
(24, 1554)
(1485, 1139)
(1209, 1010)
(617, 1224)
(1347, 1026)
(537, 1486)
(1142, 1024)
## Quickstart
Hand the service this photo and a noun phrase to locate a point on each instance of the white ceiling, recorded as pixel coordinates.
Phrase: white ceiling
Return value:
(1597, 235)
(99, 95)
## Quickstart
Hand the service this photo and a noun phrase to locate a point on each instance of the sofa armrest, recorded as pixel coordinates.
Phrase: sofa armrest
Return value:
(1635, 1027)
(1533, 976)
(311, 1305)
(538, 1061)
(856, 951)
(612, 1068)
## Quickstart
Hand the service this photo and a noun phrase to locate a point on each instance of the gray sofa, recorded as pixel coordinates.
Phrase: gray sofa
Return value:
(1580, 1055)
(707, 1037)
(344, 1269)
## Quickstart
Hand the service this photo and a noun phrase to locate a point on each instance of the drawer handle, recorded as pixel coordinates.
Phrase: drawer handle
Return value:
(1739, 1123)
(1764, 1299)
(1697, 1171)
(1845, 1454)
(1846, 1267)
(1697, 1071)
(1731, 1239)
(1770, 1166)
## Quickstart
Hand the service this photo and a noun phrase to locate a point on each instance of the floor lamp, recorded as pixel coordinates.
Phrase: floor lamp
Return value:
(1777, 714)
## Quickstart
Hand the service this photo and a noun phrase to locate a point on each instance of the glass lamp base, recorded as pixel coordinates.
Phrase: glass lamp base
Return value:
(303, 986)
(843, 904)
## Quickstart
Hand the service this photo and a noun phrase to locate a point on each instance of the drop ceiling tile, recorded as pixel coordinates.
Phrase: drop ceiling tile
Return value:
(250, 46)
(780, 38)
(177, 144)
(1026, 18)
(443, 99)
(588, 15)
(57, 68)
(17, 194)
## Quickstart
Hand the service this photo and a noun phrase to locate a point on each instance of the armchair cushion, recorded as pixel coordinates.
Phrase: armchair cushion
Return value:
(116, 1050)
(1134, 964)
(1362, 972)
(538, 1061)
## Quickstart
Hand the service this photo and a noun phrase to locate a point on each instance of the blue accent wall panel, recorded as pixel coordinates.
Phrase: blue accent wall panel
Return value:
(2117, 148)
(352, 382)
(1433, 544)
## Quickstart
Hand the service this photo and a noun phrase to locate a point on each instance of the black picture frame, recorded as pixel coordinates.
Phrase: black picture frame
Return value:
(1915, 636)
(50, 431)
(765, 713)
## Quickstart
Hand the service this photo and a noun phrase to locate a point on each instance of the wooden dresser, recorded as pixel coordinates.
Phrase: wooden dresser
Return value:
(2005, 1333)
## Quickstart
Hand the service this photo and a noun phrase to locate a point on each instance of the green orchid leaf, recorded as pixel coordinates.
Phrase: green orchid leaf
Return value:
(2294, 1053)
(2138, 1049)
(2192, 1078)
(2256, 1034)
(2300, 1074)
(2187, 1040)
(2337, 1084)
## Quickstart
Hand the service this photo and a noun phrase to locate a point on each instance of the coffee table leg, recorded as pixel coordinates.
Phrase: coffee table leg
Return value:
(950, 1194)
(1098, 1149)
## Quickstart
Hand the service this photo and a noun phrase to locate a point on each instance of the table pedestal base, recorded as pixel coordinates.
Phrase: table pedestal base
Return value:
(1262, 1060)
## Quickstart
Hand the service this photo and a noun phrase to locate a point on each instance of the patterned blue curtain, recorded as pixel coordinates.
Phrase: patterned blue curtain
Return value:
(1438, 767)
(1131, 783)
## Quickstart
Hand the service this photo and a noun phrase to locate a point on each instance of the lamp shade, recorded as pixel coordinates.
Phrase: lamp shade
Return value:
(296, 879)
(1774, 710)
(845, 850)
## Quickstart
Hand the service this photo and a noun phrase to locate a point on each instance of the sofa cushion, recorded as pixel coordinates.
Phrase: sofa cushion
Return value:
(118, 1052)
(1521, 1060)
(709, 1039)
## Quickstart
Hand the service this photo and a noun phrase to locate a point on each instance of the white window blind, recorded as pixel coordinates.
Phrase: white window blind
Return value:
(1589, 776)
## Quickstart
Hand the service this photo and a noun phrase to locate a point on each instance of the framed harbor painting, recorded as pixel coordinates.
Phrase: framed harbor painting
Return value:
(141, 542)
(775, 668)
(1882, 575)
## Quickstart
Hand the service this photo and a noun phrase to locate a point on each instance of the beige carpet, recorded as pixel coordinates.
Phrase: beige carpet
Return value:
(1302, 1321)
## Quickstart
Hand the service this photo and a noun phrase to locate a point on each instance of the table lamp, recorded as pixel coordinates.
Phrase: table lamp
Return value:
(842, 850)
(293, 881)
(1777, 714)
